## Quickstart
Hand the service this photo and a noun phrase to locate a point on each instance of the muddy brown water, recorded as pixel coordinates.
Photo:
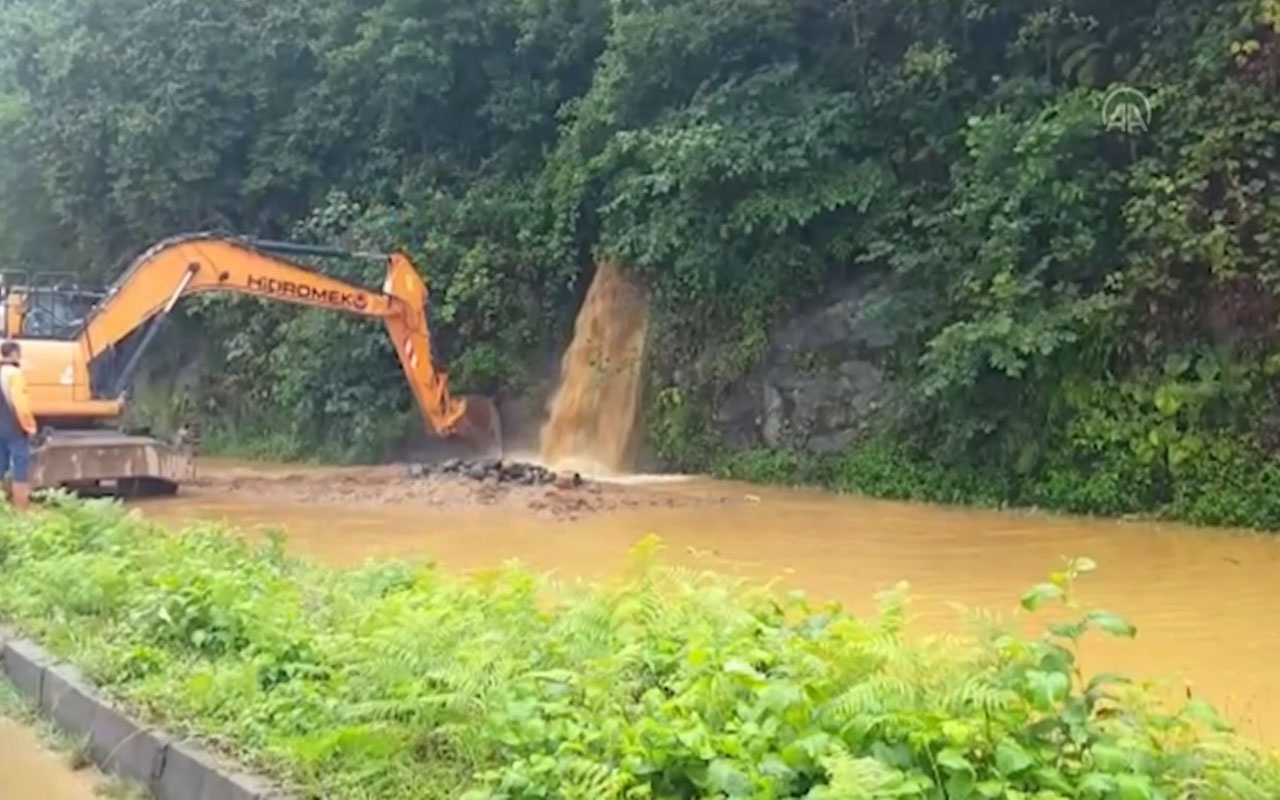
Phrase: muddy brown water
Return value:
(1202, 599)
(30, 772)
(591, 419)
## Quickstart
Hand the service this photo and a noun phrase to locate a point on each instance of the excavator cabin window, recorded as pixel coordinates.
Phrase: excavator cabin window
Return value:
(44, 305)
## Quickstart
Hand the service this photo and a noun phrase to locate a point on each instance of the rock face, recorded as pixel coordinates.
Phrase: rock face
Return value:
(821, 384)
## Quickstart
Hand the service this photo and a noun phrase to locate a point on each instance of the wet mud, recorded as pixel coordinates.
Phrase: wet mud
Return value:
(566, 496)
(28, 771)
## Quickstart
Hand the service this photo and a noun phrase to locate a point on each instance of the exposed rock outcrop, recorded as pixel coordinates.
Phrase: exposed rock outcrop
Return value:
(822, 383)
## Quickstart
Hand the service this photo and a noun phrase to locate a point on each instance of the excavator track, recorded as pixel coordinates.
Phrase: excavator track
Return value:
(105, 461)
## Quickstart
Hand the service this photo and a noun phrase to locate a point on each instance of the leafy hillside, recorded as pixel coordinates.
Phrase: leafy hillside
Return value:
(1084, 317)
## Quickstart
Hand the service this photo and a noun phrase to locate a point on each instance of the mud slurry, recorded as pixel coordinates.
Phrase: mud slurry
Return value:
(29, 768)
(509, 487)
(30, 772)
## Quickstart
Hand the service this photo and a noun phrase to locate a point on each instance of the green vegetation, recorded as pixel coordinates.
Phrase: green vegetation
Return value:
(399, 681)
(1085, 318)
(1229, 482)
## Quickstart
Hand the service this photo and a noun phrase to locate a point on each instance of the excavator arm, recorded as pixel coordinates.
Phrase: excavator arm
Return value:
(188, 265)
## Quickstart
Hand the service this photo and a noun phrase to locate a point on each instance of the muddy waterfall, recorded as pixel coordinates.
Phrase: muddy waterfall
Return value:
(592, 417)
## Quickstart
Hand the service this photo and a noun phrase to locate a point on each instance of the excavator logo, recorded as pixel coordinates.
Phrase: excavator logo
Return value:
(357, 301)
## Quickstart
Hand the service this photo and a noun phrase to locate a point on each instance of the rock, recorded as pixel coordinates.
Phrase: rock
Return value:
(568, 480)
(821, 385)
(419, 471)
(738, 417)
(515, 472)
(836, 442)
(774, 416)
(498, 471)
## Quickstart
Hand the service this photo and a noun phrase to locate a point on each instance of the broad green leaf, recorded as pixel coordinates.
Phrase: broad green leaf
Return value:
(1134, 787)
(1040, 594)
(954, 761)
(1053, 657)
(1167, 401)
(1012, 758)
(958, 733)
(1067, 630)
(1112, 624)
(1097, 785)
(743, 669)
(775, 767)
(1052, 778)
(725, 777)
(1109, 758)
(1176, 365)
(1048, 687)
(780, 695)
(896, 755)
(960, 786)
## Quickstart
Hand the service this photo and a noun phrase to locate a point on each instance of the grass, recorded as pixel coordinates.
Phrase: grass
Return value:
(398, 680)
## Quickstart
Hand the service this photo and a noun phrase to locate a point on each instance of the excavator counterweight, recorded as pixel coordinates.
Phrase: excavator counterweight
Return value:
(81, 351)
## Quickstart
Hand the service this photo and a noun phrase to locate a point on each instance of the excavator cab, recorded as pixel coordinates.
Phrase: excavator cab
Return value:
(44, 305)
(82, 349)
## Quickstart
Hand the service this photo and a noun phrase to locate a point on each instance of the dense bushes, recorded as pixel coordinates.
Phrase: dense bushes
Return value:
(1227, 482)
(399, 681)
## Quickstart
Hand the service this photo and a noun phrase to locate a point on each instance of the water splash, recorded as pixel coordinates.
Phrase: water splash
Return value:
(592, 418)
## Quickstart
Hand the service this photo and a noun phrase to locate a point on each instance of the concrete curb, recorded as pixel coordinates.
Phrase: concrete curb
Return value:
(169, 768)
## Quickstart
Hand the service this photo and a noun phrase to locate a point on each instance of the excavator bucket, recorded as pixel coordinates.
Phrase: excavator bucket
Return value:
(481, 426)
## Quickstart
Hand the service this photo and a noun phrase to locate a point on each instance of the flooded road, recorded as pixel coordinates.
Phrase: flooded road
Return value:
(1202, 599)
(30, 772)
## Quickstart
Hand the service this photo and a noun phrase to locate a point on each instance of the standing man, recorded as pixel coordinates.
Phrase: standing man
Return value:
(17, 425)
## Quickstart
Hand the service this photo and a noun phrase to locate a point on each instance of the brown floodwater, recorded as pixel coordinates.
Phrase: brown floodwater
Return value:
(1202, 599)
(30, 772)
(593, 415)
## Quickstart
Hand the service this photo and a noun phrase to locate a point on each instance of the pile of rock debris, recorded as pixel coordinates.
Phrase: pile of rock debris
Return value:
(495, 470)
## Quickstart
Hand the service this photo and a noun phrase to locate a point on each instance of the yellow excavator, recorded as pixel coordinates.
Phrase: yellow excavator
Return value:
(81, 352)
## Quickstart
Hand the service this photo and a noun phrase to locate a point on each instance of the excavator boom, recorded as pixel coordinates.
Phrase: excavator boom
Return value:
(87, 378)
